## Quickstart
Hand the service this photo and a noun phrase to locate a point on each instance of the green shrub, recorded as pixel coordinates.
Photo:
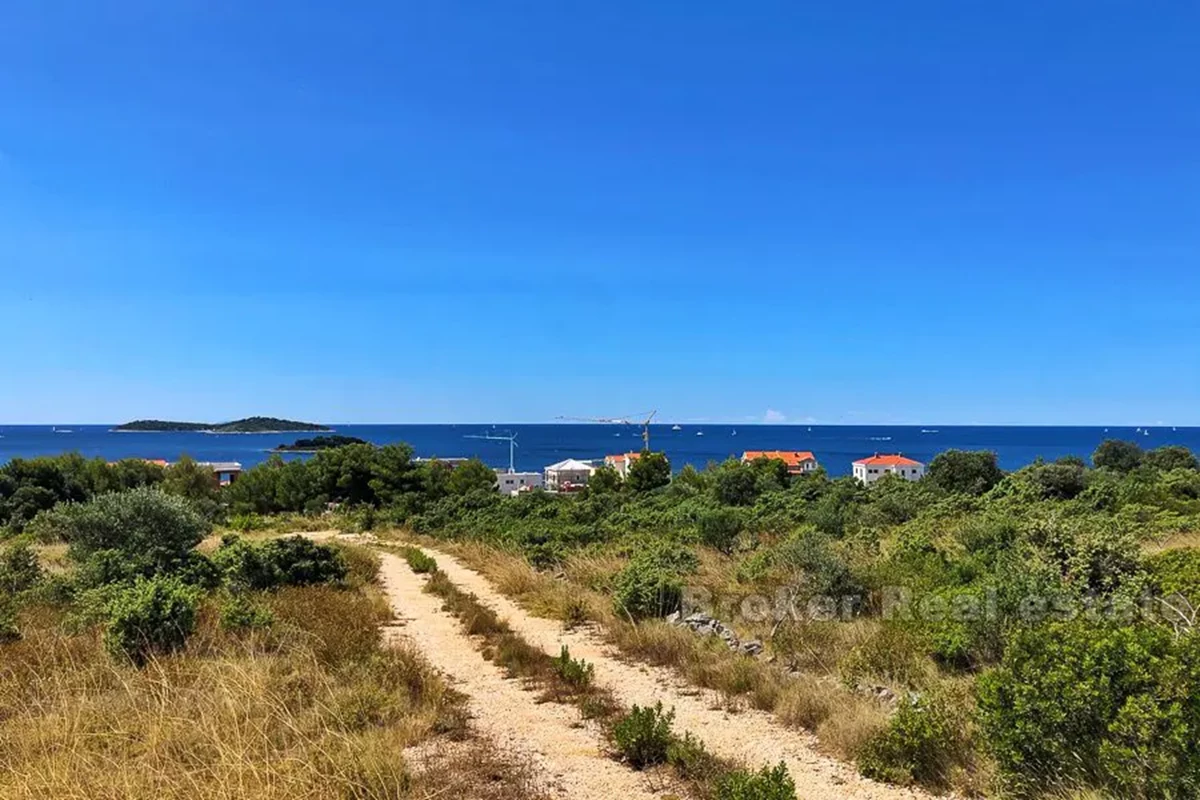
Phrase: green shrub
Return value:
(643, 736)
(719, 528)
(154, 616)
(9, 632)
(147, 531)
(691, 760)
(1096, 703)
(290, 561)
(239, 613)
(247, 522)
(651, 584)
(19, 569)
(1176, 572)
(419, 561)
(576, 673)
(914, 747)
(769, 783)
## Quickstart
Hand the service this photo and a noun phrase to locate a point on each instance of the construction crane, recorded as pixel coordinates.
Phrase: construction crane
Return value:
(644, 424)
(512, 443)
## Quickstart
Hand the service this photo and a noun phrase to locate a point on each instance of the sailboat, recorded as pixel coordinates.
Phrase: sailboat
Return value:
(734, 433)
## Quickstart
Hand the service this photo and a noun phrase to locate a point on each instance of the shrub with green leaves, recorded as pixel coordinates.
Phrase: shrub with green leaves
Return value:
(19, 569)
(155, 616)
(769, 783)
(290, 561)
(1176, 572)
(643, 736)
(241, 613)
(651, 584)
(146, 530)
(1096, 703)
(419, 561)
(9, 632)
(916, 745)
(575, 672)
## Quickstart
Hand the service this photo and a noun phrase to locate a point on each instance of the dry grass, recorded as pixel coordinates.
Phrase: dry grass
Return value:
(314, 708)
(812, 698)
(1177, 541)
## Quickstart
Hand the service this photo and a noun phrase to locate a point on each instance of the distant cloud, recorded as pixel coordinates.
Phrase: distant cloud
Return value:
(773, 417)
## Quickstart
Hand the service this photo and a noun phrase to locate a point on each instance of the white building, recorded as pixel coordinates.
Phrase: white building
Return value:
(621, 462)
(567, 475)
(513, 482)
(869, 470)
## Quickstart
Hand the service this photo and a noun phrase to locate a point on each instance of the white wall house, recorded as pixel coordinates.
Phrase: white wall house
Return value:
(513, 482)
(869, 470)
(568, 474)
(799, 462)
(621, 462)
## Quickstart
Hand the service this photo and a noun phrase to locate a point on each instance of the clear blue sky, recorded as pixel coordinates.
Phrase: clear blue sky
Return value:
(951, 212)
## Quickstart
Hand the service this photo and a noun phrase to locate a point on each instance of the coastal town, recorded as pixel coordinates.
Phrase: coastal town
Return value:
(573, 474)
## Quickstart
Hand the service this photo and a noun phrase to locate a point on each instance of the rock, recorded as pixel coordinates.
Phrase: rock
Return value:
(752, 647)
(674, 618)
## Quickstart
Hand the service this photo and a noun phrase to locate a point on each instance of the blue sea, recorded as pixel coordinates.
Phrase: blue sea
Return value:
(835, 446)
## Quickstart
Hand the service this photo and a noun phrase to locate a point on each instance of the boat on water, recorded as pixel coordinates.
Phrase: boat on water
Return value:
(928, 430)
(734, 432)
(699, 433)
(676, 428)
(61, 430)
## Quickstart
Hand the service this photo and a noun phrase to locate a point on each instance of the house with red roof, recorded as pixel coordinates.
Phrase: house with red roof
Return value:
(621, 462)
(869, 470)
(798, 462)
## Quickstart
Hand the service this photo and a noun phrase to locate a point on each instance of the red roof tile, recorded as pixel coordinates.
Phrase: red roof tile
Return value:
(897, 460)
(790, 457)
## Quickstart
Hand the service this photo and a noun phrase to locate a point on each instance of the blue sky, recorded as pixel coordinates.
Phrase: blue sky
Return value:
(468, 211)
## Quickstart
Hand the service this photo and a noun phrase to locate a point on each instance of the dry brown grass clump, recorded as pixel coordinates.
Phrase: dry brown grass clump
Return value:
(314, 707)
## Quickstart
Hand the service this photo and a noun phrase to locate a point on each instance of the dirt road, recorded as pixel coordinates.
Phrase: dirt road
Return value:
(752, 737)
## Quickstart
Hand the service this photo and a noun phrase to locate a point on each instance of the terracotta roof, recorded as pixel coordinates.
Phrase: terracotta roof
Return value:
(889, 461)
(790, 457)
(620, 457)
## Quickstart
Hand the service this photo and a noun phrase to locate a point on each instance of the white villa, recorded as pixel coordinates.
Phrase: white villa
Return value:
(513, 482)
(869, 470)
(568, 474)
(621, 462)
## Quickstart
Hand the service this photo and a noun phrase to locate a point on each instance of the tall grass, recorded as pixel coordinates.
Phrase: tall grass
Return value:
(314, 707)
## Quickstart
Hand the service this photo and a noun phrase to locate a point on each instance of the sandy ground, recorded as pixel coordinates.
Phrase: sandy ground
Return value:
(751, 737)
(567, 755)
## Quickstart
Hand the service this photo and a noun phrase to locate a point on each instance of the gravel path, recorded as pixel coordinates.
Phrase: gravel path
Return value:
(567, 754)
(752, 737)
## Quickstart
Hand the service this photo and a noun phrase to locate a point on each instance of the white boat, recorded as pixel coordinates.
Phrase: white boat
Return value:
(810, 430)
(734, 433)
(676, 428)
(928, 430)
(699, 433)
(60, 430)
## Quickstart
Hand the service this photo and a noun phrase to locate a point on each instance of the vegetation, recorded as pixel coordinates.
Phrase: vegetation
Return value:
(1030, 631)
(644, 735)
(318, 443)
(247, 425)
(124, 674)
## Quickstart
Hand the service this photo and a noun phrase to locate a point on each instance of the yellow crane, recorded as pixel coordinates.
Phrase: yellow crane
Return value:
(644, 424)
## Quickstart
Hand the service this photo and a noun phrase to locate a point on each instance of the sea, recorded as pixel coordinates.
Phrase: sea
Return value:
(537, 446)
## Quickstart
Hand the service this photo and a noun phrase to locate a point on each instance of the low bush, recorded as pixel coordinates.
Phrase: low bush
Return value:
(290, 561)
(643, 736)
(419, 561)
(769, 783)
(155, 616)
(19, 569)
(9, 632)
(915, 746)
(1096, 703)
(651, 584)
(240, 612)
(574, 672)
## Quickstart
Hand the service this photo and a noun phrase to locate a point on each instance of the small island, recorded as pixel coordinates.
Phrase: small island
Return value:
(247, 425)
(318, 443)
